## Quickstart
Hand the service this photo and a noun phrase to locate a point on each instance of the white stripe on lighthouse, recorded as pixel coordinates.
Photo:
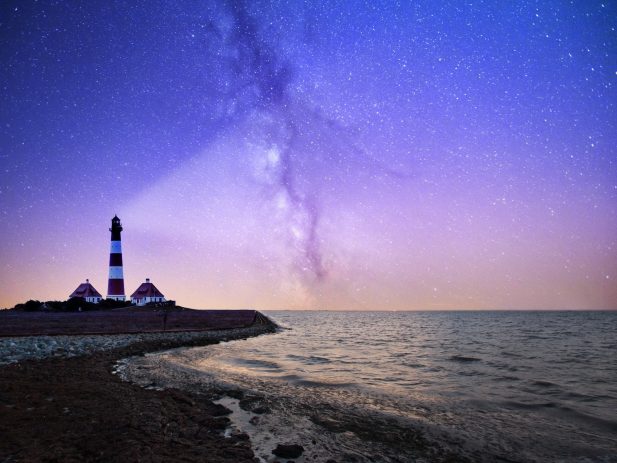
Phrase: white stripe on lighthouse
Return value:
(116, 247)
(115, 273)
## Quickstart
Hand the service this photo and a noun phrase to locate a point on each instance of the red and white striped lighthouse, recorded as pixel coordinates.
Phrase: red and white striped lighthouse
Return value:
(115, 288)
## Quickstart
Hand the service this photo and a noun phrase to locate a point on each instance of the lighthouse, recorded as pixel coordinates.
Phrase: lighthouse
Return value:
(115, 288)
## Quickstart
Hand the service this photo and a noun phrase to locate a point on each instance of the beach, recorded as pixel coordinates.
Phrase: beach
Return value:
(61, 401)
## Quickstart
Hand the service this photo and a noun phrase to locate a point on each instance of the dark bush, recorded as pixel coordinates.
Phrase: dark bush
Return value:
(30, 306)
(112, 304)
(74, 304)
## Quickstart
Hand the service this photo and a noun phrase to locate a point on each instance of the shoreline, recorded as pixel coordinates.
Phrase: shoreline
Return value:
(327, 432)
(70, 406)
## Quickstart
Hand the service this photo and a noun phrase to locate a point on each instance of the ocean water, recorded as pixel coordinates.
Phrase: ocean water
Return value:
(416, 386)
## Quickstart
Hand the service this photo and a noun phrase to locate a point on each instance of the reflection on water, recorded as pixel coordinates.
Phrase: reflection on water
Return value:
(518, 385)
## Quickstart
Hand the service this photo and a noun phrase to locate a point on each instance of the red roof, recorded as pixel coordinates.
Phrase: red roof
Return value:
(85, 290)
(146, 289)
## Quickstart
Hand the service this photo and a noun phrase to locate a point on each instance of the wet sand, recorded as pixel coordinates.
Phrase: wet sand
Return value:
(76, 409)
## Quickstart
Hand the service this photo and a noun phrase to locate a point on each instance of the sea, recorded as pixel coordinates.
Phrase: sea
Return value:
(515, 386)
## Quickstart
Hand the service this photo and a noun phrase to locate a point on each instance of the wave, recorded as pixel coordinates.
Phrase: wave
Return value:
(464, 359)
(414, 365)
(506, 378)
(257, 364)
(529, 406)
(542, 383)
(570, 413)
(310, 360)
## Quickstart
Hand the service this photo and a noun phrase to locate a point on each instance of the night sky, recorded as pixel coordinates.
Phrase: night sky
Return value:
(355, 155)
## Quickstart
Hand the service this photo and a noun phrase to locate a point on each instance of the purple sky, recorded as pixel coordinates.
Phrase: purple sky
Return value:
(360, 155)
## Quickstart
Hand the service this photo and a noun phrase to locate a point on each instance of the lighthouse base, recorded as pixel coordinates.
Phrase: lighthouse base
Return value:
(117, 298)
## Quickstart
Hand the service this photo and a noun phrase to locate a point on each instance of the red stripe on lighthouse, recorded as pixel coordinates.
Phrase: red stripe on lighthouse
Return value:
(115, 260)
(115, 288)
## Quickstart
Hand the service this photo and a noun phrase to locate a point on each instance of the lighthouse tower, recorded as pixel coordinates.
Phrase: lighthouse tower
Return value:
(115, 288)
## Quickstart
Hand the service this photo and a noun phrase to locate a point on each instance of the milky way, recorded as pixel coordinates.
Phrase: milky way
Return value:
(290, 155)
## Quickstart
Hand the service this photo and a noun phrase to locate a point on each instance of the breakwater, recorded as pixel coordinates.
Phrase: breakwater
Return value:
(18, 348)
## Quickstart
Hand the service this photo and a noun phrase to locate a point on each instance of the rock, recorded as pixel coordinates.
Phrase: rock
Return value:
(219, 410)
(288, 450)
(261, 410)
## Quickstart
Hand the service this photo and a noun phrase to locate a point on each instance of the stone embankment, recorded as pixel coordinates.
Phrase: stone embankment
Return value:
(16, 349)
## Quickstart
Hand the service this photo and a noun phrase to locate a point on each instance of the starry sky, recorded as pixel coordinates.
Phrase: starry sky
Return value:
(357, 155)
